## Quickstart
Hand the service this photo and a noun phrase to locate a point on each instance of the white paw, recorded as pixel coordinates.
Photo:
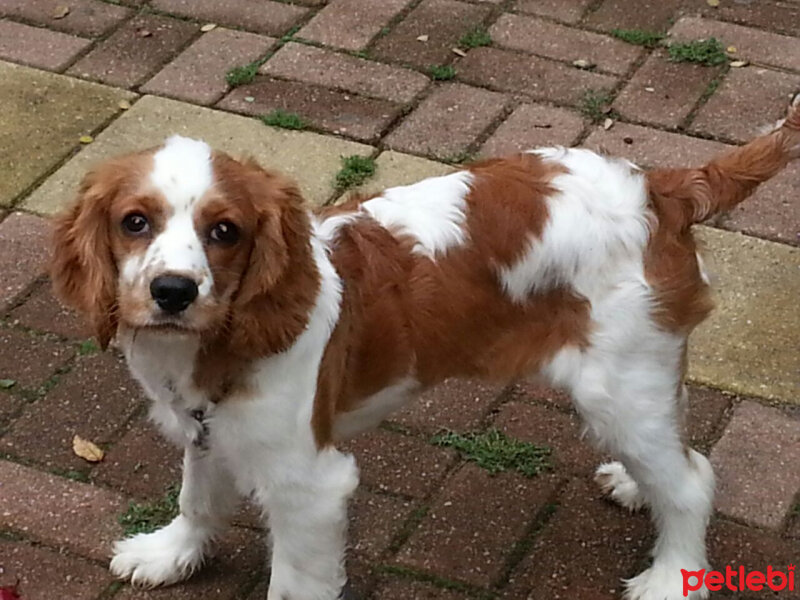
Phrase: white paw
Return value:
(663, 582)
(163, 557)
(615, 482)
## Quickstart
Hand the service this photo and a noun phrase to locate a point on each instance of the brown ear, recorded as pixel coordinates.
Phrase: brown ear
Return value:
(82, 270)
(279, 284)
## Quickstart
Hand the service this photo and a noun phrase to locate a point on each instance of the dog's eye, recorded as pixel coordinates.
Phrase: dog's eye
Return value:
(136, 224)
(224, 232)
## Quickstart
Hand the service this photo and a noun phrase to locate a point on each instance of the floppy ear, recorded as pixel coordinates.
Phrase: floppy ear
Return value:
(82, 270)
(278, 286)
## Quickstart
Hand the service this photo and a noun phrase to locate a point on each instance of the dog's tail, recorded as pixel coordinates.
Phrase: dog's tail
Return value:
(686, 196)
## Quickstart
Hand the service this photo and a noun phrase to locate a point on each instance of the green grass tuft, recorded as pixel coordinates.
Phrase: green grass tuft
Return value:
(442, 72)
(708, 52)
(147, 517)
(496, 452)
(283, 119)
(475, 38)
(355, 170)
(243, 74)
(639, 37)
(595, 104)
(87, 347)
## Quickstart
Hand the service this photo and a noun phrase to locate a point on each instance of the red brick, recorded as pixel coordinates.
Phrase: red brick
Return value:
(38, 47)
(58, 511)
(747, 99)
(142, 463)
(88, 18)
(399, 464)
(127, 57)
(324, 67)
(751, 44)
(583, 551)
(781, 17)
(534, 125)
(651, 15)
(42, 312)
(261, 16)
(457, 404)
(447, 121)
(443, 21)
(396, 588)
(330, 110)
(755, 465)
(42, 574)
(474, 524)
(351, 24)
(560, 42)
(561, 432)
(653, 148)
(525, 391)
(198, 73)
(23, 254)
(375, 519)
(707, 410)
(93, 400)
(664, 92)
(537, 78)
(569, 11)
(30, 359)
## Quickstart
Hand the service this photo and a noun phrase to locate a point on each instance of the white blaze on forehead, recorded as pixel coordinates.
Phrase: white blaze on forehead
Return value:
(182, 171)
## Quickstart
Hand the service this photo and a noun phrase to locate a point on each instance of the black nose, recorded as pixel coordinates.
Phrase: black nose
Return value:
(173, 293)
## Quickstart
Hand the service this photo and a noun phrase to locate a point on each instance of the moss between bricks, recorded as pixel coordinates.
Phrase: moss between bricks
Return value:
(708, 52)
(284, 120)
(442, 72)
(147, 517)
(639, 37)
(496, 452)
(475, 38)
(595, 104)
(355, 171)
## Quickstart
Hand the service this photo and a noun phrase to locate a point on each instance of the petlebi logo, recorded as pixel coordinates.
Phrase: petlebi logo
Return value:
(738, 580)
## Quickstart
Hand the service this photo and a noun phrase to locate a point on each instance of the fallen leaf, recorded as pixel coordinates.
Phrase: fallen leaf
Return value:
(608, 124)
(714, 3)
(144, 33)
(86, 449)
(650, 89)
(249, 98)
(208, 27)
(7, 384)
(422, 38)
(86, 139)
(459, 51)
(60, 12)
(731, 49)
(124, 104)
(582, 63)
(739, 63)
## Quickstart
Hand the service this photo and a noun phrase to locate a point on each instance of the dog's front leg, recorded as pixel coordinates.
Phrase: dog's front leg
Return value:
(307, 508)
(207, 500)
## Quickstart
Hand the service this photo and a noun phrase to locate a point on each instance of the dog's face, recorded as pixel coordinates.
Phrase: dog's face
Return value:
(170, 239)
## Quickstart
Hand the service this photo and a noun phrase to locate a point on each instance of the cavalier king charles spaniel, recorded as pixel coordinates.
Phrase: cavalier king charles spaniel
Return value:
(266, 332)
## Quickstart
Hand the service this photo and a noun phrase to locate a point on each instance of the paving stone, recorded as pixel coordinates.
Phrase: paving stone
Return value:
(552, 40)
(561, 432)
(395, 168)
(237, 564)
(340, 71)
(323, 108)
(375, 520)
(351, 24)
(93, 400)
(754, 464)
(39, 573)
(88, 18)
(142, 463)
(198, 74)
(23, 254)
(538, 78)
(650, 15)
(312, 160)
(654, 148)
(749, 343)
(65, 513)
(525, 391)
(129, 56)
(751, 44)
(443, 21)
(707, 411)
(569, 11)
(29, 359)
(664, 92)
(474, 524)
(42, 312)
(261, 16)
(399, 464)
(456, 404)
(781, 17)
(748, 99)
(448, 121)
(532, 126)
(42, 118)
(583, 551)
(38, 47)
(397, 588)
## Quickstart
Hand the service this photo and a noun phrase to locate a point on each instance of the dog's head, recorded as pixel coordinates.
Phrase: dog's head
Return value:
(179, 240)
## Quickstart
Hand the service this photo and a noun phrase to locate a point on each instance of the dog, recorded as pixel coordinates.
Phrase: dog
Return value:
(265, 332)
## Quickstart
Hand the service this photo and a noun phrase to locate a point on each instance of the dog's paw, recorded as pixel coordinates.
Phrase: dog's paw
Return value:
(662, 582)
(615, 482)
(163, 557)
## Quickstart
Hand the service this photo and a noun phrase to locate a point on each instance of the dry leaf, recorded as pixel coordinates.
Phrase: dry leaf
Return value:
(86, 449)
(86, 139)
(124, 104)
(144, 33)
(650, 89)
(208, 27)
(7, 384)
(422, 38)
(459, 51)
(731, 49)
(582, 63)
(249, 98)
(739, 63)
(608, 124)
(60, 12)
(714, 3)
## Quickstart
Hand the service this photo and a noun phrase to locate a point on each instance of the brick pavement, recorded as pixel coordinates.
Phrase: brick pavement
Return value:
(425, 524)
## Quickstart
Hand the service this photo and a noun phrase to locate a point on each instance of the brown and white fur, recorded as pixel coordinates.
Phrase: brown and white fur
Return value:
(302, 328)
